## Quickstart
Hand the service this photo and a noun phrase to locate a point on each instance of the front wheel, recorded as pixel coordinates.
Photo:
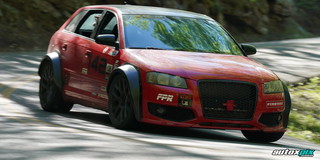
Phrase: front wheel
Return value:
(49, 94)
(259, 136)
(121, 104)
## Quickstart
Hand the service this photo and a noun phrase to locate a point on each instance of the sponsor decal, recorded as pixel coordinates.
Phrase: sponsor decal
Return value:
(104, 88)
(113, 52)
(165, 97)
(106, 50)
(184, 103)
(116, 64)
(294, 152)
(109, 68)
(104, 96)
(84, 71)
(185, 96)
(274, 104)
(185, 100)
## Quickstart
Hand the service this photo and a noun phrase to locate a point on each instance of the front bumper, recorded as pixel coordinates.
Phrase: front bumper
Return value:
(161, 105)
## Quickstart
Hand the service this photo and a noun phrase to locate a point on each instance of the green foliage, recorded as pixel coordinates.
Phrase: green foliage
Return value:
(218, 8)
(305, 114)
(310, 5)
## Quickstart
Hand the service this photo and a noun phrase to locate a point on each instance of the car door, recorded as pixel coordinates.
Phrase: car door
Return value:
(67, 47)
(97, 60)
(79, 58)
(100, 60)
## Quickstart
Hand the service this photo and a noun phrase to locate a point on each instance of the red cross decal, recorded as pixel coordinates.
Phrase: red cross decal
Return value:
(230, 105)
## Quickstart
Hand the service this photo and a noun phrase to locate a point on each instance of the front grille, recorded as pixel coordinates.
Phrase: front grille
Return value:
(217, 96)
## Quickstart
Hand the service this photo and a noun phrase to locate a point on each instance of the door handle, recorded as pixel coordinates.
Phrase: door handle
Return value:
(88, 54)
(64, 47)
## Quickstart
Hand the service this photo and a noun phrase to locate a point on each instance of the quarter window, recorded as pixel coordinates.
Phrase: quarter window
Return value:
(88, 23)
(87, 27)
(73, 23)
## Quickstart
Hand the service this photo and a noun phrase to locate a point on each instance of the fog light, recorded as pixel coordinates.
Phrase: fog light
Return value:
(161, 110)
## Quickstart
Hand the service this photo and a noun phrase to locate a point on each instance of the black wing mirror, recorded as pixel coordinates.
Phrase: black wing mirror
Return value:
(249, 49)
(107, 39)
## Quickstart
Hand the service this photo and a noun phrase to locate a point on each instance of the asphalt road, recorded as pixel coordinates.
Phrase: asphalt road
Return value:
(27, 132)
(292, 60)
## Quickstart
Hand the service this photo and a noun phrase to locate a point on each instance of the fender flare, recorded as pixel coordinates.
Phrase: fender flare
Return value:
(286, 112)
(55, 60)
(133, 77)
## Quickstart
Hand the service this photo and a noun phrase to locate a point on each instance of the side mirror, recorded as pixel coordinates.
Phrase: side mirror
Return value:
(107, 39)
(249, 49)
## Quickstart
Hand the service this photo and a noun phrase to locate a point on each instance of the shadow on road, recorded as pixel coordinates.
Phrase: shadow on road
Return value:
(293, 60)
(28, 98)
(185, 133)
(87, 121)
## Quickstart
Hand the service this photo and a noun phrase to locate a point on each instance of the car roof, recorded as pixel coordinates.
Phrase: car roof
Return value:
(149, 10)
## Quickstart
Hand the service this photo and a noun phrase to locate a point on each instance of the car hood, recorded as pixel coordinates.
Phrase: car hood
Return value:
(196, 66)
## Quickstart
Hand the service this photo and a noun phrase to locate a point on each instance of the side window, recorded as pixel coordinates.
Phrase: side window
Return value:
(108, 29)
(88, 23)
(73, 23)
(109, 25)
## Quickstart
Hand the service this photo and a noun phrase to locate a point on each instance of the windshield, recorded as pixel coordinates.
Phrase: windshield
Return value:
(177, 33)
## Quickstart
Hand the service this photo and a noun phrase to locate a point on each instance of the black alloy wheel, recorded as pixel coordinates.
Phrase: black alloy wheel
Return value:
(121, 104)
(49, 94)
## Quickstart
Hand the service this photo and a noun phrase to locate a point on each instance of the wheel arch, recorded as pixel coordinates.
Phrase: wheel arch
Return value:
(287, 105)
(55, 60)
(133, 76)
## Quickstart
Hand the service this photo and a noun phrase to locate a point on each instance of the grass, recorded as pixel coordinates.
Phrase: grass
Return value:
(305, 114)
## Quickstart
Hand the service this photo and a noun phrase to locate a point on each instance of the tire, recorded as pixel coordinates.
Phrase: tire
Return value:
(49, 94)
(259, 136)
(121, 111)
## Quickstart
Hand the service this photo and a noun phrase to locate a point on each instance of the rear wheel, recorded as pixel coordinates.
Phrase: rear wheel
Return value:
(259, 136)
(49, 94)
(121, 104)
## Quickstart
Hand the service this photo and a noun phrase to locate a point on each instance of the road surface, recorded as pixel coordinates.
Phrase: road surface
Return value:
(28, 133)
(292, 60)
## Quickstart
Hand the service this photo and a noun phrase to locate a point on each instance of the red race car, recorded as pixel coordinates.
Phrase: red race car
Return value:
(161, 66)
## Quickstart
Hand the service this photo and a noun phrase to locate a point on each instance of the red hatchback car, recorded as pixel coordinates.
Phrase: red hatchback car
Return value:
(161, 66)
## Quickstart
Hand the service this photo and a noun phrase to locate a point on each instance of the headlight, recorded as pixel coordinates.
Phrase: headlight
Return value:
(166, 80)
(273, 87)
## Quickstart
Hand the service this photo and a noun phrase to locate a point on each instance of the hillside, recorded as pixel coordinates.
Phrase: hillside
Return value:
(29, 24)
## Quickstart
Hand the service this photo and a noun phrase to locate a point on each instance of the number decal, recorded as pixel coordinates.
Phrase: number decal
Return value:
(102, 66)
(94, 63)
(99, 65)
